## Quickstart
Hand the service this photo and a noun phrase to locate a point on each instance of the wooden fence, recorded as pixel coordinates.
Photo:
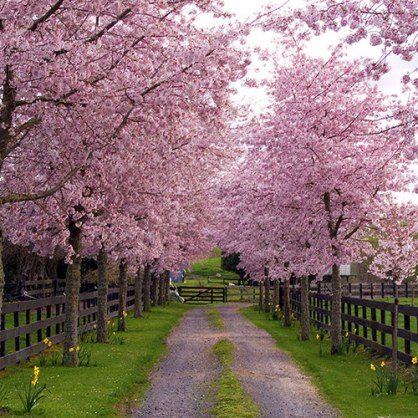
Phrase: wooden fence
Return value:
(34, 289)
(368, 322)
(201, 294)
(369, 290)
(206, 294)
(25, 324)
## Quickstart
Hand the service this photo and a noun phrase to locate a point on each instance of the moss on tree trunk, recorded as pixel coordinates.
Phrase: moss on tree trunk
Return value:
(276, 287)
(304, 316)
(155, 287)
(286, 304)
(147, 288)
(123, 294)
(161, 290)
(1, 271)
(102, 286)
(72, 291)
(395, 316)
(336, 339)
(139, 277)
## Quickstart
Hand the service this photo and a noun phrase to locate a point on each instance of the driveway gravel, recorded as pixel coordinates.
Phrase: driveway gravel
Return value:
(181, 384)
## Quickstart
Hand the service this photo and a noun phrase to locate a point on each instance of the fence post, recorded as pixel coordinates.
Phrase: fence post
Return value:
(361, 290)
(383, 321)
(383, 290)
(406, 290)
(374, 332)
(407, 324)
(371, 290)
(211, 295)
(3, 327)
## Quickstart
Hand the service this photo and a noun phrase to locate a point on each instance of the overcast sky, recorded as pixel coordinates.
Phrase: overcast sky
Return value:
(318, 47)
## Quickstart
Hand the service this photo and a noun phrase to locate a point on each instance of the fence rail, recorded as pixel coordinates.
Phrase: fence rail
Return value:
(370, 290)
(25, 324)
(202, 294)
(368, 322)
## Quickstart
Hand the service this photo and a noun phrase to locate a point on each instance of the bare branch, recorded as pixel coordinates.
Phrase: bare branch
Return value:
(47, 15)
(18, 197)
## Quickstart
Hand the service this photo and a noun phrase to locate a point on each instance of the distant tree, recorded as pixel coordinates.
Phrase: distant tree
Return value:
(230, 262)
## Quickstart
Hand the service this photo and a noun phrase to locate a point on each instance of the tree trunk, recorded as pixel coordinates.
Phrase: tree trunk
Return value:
(304, 302)
(395, 332)
(102, 286)
(138, 292)
(286, 302)
(167, 286)
(123, 294)
(276, 294)
(266, 290)
(161, 289)
(2, 280)
(154, 291)
(72, 291)
(147, 288)
(336, 340)
(260, 299)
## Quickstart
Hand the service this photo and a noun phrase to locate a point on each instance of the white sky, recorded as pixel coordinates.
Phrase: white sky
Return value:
(318, 47)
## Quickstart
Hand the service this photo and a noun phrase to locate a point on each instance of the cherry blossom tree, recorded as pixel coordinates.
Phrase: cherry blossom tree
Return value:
(396, 255)
(85, 82)
(328, 148)
(390, 25)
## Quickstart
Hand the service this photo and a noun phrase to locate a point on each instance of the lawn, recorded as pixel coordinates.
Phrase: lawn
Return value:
(208, 272)
(344, 380)
(117, 377)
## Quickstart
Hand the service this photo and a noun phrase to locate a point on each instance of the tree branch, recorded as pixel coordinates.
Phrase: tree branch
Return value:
(18, 197)
(46, 16)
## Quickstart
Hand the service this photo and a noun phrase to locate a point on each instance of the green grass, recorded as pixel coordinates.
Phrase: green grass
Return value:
(203, 272)
(345, 380)
(118, 375)
(215, 318)
(230, 398)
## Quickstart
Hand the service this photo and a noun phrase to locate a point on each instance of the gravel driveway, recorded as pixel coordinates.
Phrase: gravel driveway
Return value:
(181, 383)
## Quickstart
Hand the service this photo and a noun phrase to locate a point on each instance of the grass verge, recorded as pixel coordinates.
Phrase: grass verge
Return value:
(116, 379)
(344, 380)
(215, 318)
(231, 399)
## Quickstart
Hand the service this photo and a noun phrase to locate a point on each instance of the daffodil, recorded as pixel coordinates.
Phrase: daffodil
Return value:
(71, 349)
(372, 367)
(45, 341)
(318, 336)
(414, 360)
(382, 364)
(35, 377)
(49, 343)
(346, 333)
(77, 348)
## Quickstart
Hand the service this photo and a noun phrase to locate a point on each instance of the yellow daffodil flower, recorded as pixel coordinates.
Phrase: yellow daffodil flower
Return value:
(317, 336)
(45, 341)
(372, 367)
(414, 360)
(382, 364)
(71, 349)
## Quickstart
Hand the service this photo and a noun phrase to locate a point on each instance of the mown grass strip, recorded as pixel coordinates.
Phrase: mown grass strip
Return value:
(345, 380)
(231, 399)
(117, 377)
(215, 318)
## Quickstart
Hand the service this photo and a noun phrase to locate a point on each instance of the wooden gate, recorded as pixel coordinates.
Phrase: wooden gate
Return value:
(202, 294)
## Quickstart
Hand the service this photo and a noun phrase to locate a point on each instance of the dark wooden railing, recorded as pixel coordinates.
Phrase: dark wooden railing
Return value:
(25, 324)
(368, 322)
(202, 294)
